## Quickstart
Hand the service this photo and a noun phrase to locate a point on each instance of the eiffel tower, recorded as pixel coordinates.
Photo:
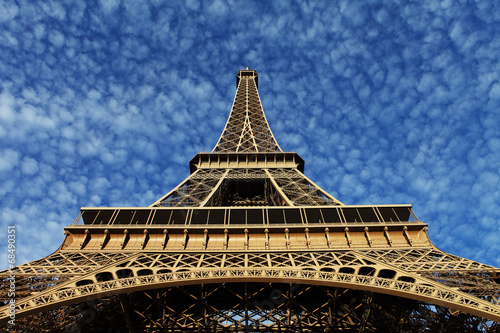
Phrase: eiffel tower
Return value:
(248, 243)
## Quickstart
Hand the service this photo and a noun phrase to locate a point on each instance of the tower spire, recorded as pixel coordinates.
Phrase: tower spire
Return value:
(247, 129)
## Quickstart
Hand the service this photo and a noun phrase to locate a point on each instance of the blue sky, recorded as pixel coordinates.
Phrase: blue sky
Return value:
(103, 103)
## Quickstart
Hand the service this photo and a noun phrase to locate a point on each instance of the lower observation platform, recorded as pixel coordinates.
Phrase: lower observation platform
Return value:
(243, 228)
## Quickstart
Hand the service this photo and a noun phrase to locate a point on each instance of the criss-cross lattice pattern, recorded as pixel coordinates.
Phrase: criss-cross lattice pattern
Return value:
(301, 190)
(194, 190)
(39, 275)
(111, 273)
(469, 276)
(247, 129)
(252, 307)
(272, 187)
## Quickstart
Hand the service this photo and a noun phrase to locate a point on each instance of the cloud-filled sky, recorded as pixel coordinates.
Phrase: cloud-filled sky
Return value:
(103, 103)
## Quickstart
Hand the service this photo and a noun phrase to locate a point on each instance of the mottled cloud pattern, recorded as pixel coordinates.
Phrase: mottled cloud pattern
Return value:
(103, 103)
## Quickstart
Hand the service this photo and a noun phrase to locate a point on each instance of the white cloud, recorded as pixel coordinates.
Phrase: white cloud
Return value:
(7, 111)
(54, 9)
(8, 11)
(193, 4)
(427, 83)
(9, 159)
(109, 5)
(29, 166)
(56, 38)
(39, 30)
(218, 7)
(495, 91)
(494, 145)
(353, 11)
(457, 33)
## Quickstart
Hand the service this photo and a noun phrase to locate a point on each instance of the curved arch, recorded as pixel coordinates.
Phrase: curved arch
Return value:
(431, 292)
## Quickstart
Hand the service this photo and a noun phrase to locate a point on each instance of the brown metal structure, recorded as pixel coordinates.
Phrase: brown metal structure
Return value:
(248, 243)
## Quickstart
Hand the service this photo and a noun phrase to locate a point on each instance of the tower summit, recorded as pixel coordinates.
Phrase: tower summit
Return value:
(247, 129)
(248, 243)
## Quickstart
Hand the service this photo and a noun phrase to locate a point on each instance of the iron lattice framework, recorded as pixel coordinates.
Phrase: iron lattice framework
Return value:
(248, 243)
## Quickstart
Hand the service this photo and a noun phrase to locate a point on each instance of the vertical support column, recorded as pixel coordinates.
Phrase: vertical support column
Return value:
(247, 328)
(405, 231)
(206, 321)
(126, 238)
(126, 313)
(386, 233)
(266, 233)
(327, 235)
(308, 240)
(246, 239)
(165, 238)
(145, 239)
(367, 235)
(226, 239)
(205, 239)
(349, 241)
(287, 237)
(186, 237)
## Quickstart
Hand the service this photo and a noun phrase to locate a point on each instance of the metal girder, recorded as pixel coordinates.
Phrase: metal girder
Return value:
(345, 269)
(300, 189)
(193, 190)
